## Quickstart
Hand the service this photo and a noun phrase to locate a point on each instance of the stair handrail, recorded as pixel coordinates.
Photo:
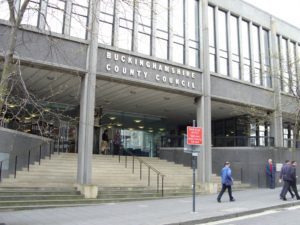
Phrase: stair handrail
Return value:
(158, 173)
(34, 148)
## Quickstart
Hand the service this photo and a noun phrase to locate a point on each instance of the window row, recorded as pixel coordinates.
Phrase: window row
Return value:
(238, 48)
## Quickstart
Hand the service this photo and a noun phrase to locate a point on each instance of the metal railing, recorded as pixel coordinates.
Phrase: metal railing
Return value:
(17, 163)
(243, 141)
(149, 168)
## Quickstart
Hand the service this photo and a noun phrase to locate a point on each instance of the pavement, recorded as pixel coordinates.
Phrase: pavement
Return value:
(177, 211)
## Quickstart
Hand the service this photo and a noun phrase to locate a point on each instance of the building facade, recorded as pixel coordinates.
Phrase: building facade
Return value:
(149, 68)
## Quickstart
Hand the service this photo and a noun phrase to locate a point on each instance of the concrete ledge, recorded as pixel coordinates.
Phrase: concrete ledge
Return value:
(88, 190)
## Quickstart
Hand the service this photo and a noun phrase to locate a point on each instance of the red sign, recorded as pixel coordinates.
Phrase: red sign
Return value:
(194, 135)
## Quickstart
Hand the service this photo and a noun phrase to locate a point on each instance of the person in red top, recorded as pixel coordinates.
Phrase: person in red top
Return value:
(270, 174)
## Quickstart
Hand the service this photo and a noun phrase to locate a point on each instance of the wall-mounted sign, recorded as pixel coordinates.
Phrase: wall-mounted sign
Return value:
(146, 70)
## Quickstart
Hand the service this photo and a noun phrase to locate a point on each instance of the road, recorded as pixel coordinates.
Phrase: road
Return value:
(284, 216)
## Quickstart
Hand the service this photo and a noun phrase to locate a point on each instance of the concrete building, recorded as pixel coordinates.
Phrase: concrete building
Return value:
(149, 68)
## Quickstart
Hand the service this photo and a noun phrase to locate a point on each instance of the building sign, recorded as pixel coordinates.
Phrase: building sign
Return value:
(146, 70)
(194, 135)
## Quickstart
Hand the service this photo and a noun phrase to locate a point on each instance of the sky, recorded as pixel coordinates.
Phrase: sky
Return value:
(287, 10)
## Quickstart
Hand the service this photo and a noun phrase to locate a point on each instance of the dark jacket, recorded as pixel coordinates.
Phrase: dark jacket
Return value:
(286, 173)
(268, 170)
(294, 176)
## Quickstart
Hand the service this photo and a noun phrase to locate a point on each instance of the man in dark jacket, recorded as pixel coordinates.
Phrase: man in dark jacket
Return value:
(227, 181)
(294, 182)
(286, 175)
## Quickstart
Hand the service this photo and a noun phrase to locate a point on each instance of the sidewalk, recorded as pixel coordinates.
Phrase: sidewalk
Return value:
(156, 212)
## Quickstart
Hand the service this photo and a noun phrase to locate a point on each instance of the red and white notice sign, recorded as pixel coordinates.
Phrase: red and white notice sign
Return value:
(194, 135)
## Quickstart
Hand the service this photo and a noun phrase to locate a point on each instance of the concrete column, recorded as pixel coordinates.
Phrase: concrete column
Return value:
(86, 133)
(116, 23)
(217, 47)
(276, 123)
(201, 155)
(153, 28)
(204, 105)
(135, 27)
(170, 30)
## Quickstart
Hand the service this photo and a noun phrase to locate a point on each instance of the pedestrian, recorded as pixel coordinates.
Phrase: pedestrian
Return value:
(270, 174)
(294, 182)
(117, 143)
(286, 174)
(227, 182)
(104, 142)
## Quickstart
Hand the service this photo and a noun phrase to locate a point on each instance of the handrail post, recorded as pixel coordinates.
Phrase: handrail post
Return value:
(140, 170)
(40, 156)
(58, 146)
(126, 161)
(162, 186)
(16, 161)
(241, 174)
(119, 155)
(133, 164)
(0, 171)
(28, 162)
(50, 150)
(148, 176)
(157, 182)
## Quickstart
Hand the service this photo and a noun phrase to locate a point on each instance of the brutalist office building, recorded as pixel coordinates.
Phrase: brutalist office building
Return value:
(147, 69)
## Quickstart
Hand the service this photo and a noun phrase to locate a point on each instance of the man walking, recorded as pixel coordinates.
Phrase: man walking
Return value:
(227, 181)
(286, 174)
(270, 173)
(294, 182)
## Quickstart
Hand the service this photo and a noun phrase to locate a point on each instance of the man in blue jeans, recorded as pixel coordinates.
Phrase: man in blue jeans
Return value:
(227, 181)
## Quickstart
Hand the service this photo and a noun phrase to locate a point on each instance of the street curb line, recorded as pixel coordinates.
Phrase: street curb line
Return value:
(234, 215)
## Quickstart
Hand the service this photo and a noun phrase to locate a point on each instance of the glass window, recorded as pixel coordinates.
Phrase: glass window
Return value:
(267, 81)
(222, 35)
(256, 55)
(126, 24)
(292, 67)
(161, 48)
(178, 17)
(284, 64)
(246, 50)
(106, 22)
(234, 35)
(144, 31)
(31, 14)
(178, 53)
(212, 43)
(4, 15)
(55, 16)
(162, 15)
(79, 18)
(193, 32)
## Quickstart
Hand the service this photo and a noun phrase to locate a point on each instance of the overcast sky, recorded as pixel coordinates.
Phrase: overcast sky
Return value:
(287, 10)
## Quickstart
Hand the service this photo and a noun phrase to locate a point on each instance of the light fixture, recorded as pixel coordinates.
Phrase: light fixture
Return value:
(33, 115)
(161, 129)
(109, 126)
(151, 131)
(137, 121)
(27, 117)
(141, 127)
(47, 110)
(112, 117)
(130, 128)
(11, 106)
(119, 124)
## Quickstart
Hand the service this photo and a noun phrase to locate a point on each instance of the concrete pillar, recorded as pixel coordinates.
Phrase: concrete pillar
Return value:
(276, 123)
(87, 103)
(204, 104)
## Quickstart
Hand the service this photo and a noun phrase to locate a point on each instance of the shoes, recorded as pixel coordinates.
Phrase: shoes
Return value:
(293, 196)
(298, 198)
(232, 200)
(219, 200)
(283, 198)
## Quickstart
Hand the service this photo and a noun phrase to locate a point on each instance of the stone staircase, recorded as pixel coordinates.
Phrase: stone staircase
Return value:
(52, 184)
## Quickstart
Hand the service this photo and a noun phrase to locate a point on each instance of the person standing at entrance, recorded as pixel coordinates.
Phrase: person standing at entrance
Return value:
(270, 174)
(227, 181)
(117, 142)
(104, 142)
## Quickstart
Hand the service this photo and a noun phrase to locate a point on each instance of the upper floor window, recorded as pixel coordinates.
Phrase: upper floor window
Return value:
(178, 31)
(212, 40)
(144, 27)
(256, 55)
(4, 15)
(106, 19)
(267, 81)
(79, 18)
(193, 32)
(235, 47)
(31, 14)
(246, 51)
(55, 16)
(222, 37)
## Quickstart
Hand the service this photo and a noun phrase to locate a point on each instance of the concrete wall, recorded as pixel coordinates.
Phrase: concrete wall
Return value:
(14, 143)
(247, 164)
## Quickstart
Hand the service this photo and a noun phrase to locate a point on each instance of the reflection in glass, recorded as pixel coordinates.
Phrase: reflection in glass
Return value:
(178, 53)
(31, 13)
(105, 33)
(55, 16)
(246, 51)
(162, 15)
(212, 45)
(4, 15)
(161, 48)
(125, 37)
(256, 55)
(234, 34)
(267, 81)
(79, 20)
(144, 43)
